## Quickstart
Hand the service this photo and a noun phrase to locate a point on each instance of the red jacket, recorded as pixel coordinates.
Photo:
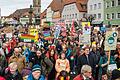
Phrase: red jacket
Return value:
(1, 78)
(80, 77)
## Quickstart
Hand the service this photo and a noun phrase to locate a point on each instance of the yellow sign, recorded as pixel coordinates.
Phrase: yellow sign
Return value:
(86, 27)
(33, 32)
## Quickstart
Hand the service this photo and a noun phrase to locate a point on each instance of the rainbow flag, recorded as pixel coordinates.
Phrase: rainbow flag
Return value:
(27, 38)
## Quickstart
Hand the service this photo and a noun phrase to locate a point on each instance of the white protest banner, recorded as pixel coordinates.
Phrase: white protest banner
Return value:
(9, 35)
(111, 40)
(85, 39)
(57, 31)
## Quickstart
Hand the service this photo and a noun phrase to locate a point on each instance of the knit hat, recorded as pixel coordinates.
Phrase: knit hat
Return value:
(115, 74)
(36, 68)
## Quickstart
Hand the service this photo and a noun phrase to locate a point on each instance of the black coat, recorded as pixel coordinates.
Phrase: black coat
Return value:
(82, 60)
(9, 76)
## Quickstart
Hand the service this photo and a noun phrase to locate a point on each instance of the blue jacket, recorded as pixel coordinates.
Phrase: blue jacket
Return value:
(27, 54)
(30, 77)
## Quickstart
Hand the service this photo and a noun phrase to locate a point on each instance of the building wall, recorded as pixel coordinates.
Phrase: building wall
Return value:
(49, 14)
(96, 7)
(70, 12)
(111, 10)
(43, 20)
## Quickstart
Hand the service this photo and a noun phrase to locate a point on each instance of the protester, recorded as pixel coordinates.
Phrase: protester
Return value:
(20, 59)
(42, 60)
(12, 72)
(86, 58)
(104, 62)
(86, 73)
(115, 75)
(62, 64)
(52, 55)
(3, 64)
(36, 73)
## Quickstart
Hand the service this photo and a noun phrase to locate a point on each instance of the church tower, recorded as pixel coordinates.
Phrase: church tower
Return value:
(37, 6)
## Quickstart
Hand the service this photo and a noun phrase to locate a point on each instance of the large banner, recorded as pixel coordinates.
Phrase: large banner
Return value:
(27, 38)
(111, 40)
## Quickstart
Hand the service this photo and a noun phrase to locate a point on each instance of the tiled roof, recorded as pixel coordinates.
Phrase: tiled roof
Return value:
(18, 13)
(79, 3)
(56, 5)
(43, 14)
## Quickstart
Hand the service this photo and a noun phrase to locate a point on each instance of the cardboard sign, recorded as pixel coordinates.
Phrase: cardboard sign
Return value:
(111, 40)
(57, 31)
(84, 39)
(86, 27)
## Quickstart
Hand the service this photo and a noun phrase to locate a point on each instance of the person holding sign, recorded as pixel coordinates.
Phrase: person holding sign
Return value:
(106, 64)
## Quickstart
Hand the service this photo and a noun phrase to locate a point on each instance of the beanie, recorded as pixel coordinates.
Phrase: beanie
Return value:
(36, 68)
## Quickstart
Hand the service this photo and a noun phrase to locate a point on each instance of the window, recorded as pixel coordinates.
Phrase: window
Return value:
(113, 15)
(99, 5)
(108, 16)
(99, 15)
(118, 2)
(118, 15)
(75, 15)
(95, 16)
(107, 4)
(95, 6)
(113, 3)
(72, 15)
(90, 7)
(63, 16)
(67, 16)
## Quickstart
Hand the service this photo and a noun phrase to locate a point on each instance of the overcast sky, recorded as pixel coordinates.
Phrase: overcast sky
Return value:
(9, 6)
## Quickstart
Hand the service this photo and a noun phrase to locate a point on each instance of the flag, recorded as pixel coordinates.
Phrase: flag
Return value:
(73, 29)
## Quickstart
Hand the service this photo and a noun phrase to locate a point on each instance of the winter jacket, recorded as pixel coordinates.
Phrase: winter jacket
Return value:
(30, 77)
(45, 62)
(3, 64)
(62, 65)
(20, 60)
(80, 77)
(10, 76)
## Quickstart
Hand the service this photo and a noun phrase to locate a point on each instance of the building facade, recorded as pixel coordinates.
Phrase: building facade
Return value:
(96, 9)
(37, 6)
(112, 12)
(49, 14)
(73, 11)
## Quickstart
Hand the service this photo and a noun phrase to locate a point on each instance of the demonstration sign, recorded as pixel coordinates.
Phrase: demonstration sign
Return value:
(111, 40)
(27, 38)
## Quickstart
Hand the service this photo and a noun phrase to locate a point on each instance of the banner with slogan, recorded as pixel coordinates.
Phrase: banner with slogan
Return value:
(27, 38)
(84, 39)
(57, 31)
(111, 40)
(86, 33)
(86, 27)
(47, 35)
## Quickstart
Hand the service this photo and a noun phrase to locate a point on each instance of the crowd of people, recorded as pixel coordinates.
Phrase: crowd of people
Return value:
(58, 59)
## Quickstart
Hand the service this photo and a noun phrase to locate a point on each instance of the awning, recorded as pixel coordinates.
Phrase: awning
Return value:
(97, 22)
